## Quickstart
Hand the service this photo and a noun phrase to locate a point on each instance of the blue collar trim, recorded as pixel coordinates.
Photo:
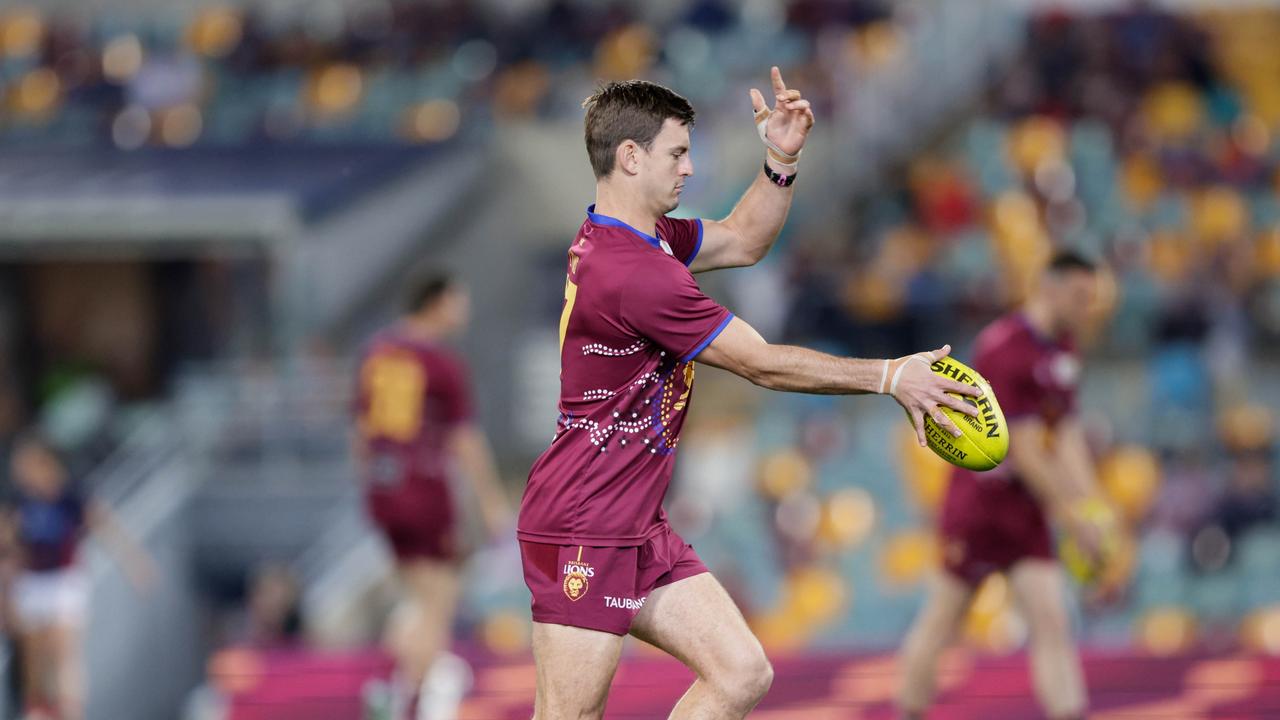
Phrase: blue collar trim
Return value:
(599, 219)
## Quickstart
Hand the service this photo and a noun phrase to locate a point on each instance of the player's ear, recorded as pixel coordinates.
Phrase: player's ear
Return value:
(628, 157)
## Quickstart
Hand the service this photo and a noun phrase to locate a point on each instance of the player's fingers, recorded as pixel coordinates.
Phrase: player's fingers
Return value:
(958, 405)
(959, 387)
(940, 418)
(779, 87)
(757, 101)
(941, 352)
(917, 419)
(797, 105)
(788, 96)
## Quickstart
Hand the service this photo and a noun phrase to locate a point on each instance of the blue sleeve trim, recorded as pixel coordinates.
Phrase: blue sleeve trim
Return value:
(708, 339)
(697, 247)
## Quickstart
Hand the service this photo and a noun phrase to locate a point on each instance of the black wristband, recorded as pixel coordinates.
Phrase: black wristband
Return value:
(777, 178)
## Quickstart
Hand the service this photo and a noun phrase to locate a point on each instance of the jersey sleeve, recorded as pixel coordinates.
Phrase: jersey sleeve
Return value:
(666, 306)
(683, 235)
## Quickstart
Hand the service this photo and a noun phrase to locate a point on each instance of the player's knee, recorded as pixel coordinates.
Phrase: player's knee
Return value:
(1049, 626)
(746, 680)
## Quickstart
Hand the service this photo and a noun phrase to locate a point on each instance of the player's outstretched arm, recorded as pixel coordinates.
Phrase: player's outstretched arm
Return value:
(745, 236)
(123, 546)
(470, 446)
(742, 351)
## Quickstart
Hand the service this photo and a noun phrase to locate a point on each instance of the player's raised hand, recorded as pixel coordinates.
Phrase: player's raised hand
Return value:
(787, 125)
(919, 390)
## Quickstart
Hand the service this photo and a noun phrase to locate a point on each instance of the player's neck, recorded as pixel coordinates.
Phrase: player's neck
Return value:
(1040, 319)
(621, 205)
(423, 329)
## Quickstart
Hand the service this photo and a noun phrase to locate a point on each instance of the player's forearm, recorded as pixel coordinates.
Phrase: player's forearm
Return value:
(1073, 458)
(759, 216)
(476, 458)
(795, 369)
(120, 544)
(1044, 476)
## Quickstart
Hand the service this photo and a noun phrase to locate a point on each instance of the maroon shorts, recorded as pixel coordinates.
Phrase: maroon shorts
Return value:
(603, 588)
(418, 519)
(988, 525)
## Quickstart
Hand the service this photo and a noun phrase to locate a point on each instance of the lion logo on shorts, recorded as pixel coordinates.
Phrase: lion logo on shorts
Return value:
(576, 573)
(575, 586)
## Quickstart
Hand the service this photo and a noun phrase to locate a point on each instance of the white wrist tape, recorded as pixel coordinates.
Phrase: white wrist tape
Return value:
(776, 153)
(900, 364)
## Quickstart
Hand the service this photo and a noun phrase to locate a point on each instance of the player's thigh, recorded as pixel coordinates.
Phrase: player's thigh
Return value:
(1039, 589)
(696, 621)
(429, 581)
(425, 613)
(574, 667)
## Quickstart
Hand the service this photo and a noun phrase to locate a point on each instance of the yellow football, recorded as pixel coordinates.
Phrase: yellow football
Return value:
(984, 440)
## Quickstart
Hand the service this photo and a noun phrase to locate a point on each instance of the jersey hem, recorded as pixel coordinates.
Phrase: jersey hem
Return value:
(589, 540)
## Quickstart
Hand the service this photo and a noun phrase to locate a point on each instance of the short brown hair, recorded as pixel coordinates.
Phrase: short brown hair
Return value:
(1068, 260)
(426, 287)
(630, 110)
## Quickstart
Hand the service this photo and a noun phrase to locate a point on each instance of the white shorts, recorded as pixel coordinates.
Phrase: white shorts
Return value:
(53, 597)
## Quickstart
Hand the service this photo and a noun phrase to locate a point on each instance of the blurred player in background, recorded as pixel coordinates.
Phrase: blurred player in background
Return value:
(998, 521)
(599, 557)
(416, 439)
(43, 523)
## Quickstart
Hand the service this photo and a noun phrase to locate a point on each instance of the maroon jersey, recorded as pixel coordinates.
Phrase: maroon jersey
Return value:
(410, 394)
(633, 321)
(1031, 374)
(49, 531)
(991, 520)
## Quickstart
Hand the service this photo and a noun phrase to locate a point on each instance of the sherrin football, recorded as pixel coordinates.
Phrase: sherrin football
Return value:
(984, 440)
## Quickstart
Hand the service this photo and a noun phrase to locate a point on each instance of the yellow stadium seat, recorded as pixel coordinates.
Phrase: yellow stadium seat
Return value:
(1131, 478)
(908, 556)
(1166, 631)
(1174, 111)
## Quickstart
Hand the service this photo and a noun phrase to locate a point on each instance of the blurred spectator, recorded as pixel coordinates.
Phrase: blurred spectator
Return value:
(44, 522)
(268, 620)
(1249, 498)
(271, 617)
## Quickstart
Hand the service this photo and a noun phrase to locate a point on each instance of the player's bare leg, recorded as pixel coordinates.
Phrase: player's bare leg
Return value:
(420, 628)
(575, 668)
(68, 671)
(37, 663)
(1055, 666)
(696, 621)
(933, 630)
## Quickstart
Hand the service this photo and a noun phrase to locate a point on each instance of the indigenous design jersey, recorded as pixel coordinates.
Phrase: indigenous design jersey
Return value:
(409, 395)
(1032, 375)
(633, 321)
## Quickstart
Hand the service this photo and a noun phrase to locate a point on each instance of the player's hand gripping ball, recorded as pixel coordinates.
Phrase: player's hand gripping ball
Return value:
(984, 440)
(1085, 567)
